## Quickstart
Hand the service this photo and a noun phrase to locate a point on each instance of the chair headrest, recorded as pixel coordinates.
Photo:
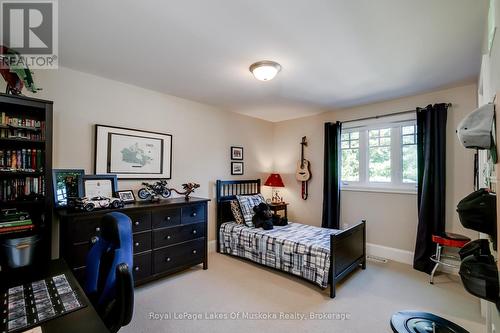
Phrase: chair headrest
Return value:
(115, 228)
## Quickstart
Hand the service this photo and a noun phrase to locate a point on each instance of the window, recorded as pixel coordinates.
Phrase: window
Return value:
(409, 154)
(350, 156)
(380, 155)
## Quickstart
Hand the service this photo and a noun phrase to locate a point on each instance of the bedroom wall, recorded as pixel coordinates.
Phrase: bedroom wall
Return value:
(202, 135)
(392, 218)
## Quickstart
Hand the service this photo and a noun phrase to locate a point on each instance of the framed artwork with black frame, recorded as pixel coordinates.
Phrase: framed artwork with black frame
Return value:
(100, 185)
(67, 184)
(237, 153)
(237, 168)
(132, 154)
(126, 196)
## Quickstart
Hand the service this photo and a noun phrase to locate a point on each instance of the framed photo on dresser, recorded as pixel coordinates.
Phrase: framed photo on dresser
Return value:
(100, 185)
(67, 185)
(132, 154)
(126, 196)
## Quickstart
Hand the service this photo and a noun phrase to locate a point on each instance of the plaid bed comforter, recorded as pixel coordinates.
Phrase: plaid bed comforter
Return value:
(296, 248)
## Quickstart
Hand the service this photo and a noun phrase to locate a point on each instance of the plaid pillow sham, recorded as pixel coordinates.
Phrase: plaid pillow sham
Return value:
(247, 203)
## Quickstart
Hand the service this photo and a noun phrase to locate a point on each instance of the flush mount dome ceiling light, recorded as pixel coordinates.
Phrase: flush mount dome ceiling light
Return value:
(265, 70)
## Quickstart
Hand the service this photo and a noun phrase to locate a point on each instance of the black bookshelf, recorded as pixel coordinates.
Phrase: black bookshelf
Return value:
(32, 133)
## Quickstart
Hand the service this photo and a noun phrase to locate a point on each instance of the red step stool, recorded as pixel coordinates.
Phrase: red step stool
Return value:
(447, 239)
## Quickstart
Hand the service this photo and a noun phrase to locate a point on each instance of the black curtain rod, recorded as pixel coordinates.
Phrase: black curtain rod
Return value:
(387, 115)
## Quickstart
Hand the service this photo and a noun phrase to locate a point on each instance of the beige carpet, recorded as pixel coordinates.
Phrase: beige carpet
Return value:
(233, 287)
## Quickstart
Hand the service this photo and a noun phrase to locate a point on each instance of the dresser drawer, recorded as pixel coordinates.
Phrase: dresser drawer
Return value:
(193, 213)
(78, 255)
(79, 274)
(166, 217)
(140, 221)
(170, 236)
(142, 266)
(82, 230)
(141, 242)
(175, 256)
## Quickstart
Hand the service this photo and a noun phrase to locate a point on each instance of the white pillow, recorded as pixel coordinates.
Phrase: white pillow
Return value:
(247, 203)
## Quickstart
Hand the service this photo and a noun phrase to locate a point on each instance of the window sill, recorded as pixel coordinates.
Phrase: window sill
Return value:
(380, 190)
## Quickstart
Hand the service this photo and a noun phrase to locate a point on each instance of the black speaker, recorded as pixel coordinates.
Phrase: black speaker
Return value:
(479, 276)
(477, 211)
(478, 247)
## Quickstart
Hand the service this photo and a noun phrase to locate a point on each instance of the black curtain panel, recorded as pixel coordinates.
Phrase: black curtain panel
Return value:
(431, 150)
(331, 186)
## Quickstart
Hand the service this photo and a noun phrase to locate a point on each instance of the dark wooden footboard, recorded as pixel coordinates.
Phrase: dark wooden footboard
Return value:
(347, 252)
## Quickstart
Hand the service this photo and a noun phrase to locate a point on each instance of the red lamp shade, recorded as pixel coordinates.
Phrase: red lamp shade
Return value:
(274, 180)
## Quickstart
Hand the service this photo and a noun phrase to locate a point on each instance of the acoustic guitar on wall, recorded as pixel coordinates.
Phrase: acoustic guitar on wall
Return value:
(303, 172)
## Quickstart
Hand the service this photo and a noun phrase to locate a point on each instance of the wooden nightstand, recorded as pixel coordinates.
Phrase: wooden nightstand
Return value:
(276, 207)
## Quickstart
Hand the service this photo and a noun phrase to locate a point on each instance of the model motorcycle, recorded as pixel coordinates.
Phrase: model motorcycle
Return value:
(154, 191)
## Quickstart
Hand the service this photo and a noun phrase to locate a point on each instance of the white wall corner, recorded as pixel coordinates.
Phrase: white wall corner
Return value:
(402, 256)
(212, 246)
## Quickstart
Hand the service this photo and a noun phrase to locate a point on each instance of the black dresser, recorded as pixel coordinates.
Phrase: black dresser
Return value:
(168, 236)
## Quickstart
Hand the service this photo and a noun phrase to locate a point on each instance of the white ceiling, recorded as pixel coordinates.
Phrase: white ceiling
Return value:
(334, 53)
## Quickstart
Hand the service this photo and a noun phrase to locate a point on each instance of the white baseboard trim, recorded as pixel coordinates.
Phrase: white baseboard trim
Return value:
(402, 256)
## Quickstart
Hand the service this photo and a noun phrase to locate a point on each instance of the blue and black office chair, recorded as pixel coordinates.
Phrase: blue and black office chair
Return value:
(109, 283)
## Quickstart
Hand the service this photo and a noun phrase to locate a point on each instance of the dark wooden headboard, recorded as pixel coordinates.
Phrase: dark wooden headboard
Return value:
(227, 190)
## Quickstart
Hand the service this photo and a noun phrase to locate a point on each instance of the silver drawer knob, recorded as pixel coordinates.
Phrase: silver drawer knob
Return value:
(168, 218)
(97, 229)
(168, 259)
(136, 268)
(137, 223)
(168, 237)
(136, 244)
(194, 232)
(194, 214)
(194, 251)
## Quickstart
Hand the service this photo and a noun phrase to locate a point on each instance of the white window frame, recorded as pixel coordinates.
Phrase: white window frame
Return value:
(363, 127)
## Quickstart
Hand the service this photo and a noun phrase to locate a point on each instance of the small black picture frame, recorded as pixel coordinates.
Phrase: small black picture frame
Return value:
(237, 153)
(237, 168)
(67, 184)
(127, 196)
(91, 190)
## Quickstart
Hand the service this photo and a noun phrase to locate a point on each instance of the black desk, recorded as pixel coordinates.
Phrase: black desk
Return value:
(80, 321)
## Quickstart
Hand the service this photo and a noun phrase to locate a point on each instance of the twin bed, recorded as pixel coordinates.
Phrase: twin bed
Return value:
(319, 255)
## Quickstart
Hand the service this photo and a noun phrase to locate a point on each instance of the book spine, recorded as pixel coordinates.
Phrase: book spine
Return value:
(39, 159)
(13, 160)
(19, 156)
(19, 228)
(33, 159)
(15, 223)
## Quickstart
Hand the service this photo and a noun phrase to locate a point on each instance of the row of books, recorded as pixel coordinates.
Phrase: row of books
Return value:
(21, 160)
(10, 133)
(16, 226)
(21, 127)
(15, 189)
(20, 122)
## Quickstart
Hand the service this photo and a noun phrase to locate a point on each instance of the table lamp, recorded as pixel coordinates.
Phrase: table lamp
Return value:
(274, 180)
